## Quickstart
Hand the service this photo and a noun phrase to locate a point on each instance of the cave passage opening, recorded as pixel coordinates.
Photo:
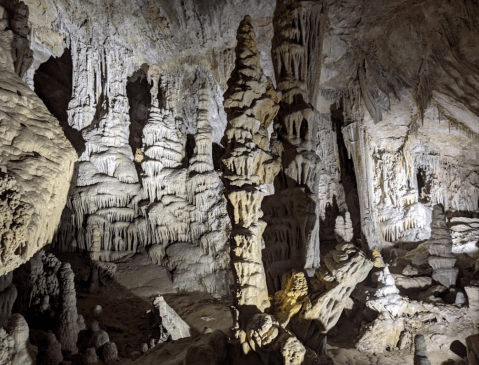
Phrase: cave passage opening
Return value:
(53, 83)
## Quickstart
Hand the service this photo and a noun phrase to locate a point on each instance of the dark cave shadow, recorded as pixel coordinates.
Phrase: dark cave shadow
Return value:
(327, 225)
(53, 82)
(125, 314)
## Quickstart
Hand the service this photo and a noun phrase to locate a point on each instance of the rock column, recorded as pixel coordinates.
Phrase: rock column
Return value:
(293, 212)
(67, 321)
(440, 248)
(420, 351)
(250, 104)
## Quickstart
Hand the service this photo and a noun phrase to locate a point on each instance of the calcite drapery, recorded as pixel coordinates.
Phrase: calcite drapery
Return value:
(186, 219)
(292, 213)
(250, 104)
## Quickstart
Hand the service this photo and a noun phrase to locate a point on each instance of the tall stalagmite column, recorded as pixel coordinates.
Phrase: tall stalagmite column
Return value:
(250, 104)
(293, 212)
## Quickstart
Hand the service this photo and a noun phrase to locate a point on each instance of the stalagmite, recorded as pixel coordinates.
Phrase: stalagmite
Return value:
(440, 248)
(251, 104)
(67, 320)
(420, 351)
(378, 259)
(288, 302)
(170, 320)
(387, 298)
(24, 352)
(473, 298)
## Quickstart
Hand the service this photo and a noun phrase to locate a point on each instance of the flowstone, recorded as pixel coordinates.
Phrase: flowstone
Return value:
(36, 159)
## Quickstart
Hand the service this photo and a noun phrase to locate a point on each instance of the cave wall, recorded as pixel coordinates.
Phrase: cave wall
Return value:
(36, 160)
(404, 85)
(401, 73)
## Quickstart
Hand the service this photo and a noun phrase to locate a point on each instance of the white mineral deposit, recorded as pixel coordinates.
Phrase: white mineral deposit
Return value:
(239, 182)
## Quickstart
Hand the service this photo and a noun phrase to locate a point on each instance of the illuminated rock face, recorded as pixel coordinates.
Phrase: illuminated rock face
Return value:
(36, 162)
(251, 103)
(368, 122)
(401, 120)
(396, 119)
(292, 213)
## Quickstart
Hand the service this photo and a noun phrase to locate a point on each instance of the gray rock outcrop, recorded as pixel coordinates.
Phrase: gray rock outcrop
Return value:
(36, 159)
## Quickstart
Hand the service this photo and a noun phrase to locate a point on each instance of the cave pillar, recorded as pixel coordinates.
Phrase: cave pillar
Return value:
(250, 104)
(357, 143)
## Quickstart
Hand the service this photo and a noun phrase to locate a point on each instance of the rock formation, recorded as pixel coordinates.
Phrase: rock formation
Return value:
(420, 351)
(23, 352)
(473, 298)
(250, 104)
(36, 160)
(67, 326)
(186, 206)
(170, 320)
(349, 132)
(332, 285)
(472, 349)
(49, 350)
(177, 213)
(295, 205)
(440, 247)
(8, 295)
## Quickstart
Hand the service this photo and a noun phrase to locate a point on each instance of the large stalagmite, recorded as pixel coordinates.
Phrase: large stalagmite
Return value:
(347, 123)
(251, 105)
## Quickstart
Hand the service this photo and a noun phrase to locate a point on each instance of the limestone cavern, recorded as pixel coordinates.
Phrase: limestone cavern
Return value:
(239, 182)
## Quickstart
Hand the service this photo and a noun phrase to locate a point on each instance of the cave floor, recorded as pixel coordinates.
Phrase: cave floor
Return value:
(127, 302)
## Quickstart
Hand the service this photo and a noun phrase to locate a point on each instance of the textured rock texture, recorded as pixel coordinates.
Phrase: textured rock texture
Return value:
(170, 320)
(386, 112)
(251, 103)
(36, 160)
(348, 124)
(145, 177)
(401, 118)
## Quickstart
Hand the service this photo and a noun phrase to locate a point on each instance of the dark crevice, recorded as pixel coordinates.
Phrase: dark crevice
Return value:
(348, 175)
(161, 96)
(189, 149)
(423, 186)
(139, 99)
(217, 151)
(53, 84)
